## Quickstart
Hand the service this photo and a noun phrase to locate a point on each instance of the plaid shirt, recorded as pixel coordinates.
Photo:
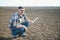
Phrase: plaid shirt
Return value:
(16, 18)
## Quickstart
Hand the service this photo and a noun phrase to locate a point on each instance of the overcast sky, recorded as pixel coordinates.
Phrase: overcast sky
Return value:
(29, 3)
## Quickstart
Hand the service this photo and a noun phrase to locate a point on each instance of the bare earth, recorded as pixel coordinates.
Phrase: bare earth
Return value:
(47, 27)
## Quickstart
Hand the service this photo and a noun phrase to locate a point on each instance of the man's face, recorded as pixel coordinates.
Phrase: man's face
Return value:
(20, 11)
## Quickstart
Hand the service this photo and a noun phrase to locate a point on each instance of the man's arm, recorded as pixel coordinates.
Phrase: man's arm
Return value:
(27, 18)
(15, 18)
(31, 21)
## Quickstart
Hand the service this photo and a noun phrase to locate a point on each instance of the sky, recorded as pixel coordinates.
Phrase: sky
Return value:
(29, 2)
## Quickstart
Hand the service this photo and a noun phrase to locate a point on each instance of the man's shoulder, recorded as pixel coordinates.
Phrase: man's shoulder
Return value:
(15, 14)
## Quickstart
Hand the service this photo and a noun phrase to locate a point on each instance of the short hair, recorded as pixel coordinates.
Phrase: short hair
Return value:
(20, 7)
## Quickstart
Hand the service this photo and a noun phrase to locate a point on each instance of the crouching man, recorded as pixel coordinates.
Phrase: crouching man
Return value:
(19, 23)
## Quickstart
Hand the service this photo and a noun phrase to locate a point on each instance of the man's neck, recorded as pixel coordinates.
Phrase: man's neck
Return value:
(20, 14)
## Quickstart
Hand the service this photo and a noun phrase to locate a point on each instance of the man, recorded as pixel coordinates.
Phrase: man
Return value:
(19, 23)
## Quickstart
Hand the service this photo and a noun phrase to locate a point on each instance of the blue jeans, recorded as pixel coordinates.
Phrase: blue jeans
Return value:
(21, 30)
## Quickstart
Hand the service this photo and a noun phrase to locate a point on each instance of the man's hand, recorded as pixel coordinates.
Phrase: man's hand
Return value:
(32, 21)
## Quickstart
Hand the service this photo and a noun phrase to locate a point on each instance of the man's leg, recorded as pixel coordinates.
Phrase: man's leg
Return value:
(14, 31)
(26, 23)
(23, 29)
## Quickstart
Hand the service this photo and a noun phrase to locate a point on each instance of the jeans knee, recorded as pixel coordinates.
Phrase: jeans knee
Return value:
(25, 23)
(21, 30)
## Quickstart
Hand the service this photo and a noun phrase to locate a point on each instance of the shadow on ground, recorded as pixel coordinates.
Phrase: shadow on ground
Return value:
(3, 38)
